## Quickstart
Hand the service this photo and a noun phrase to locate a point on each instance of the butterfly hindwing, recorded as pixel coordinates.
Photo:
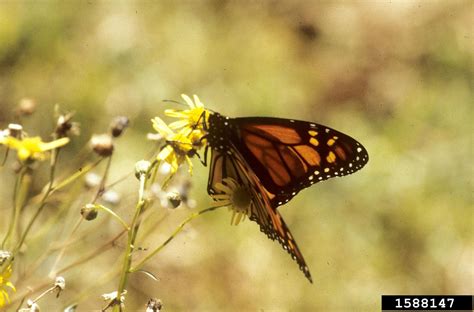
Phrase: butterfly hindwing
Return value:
(232, 165)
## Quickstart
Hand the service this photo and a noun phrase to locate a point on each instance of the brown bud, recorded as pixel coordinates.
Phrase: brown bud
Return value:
(102, 144)
(4, 255)
(89, 212)
(174, 199)
(118, 125)
(27, 106)
(65, 125)
(154, 305)
(15, 131)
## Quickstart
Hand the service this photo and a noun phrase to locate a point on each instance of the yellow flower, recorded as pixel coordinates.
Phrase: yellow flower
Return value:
(174, 158)
(178, 145)
(31, 148)
(182, 145)
(5, 284)
(194, 118)
(237, 197)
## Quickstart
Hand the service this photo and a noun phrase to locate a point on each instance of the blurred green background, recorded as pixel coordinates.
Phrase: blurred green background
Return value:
(396, 75)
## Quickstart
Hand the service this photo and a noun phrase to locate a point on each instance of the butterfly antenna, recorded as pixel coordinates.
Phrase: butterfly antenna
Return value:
(175, 102)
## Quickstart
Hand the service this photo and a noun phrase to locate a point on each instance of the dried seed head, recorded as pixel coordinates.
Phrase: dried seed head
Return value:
(113, 298)
(109, 296)
(4, 256)
(71, 308)
(154, 305)
(65, 125)
(102, 144)
(27, 106)
(89, 212)
(60, 283)
(15, 130)
(141, 168)
(118, 125)
(33, 306)
(174, 199)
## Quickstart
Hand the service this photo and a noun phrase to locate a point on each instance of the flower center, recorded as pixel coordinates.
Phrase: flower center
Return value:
(241, 199)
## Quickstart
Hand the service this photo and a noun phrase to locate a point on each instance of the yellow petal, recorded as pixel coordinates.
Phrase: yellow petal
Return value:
(53, 144)
(165, 153)
(220, 197)
(12, 142)
(178, 124)
(197, 102)
(232, 218)
(23, 154)
(221, 203)
(9, 284)
(182, 137)
(174, 165)
(239, 218)
(38, 155)
(190, 165)
(223, 188)
(188, 100)
(231, 182)
(3, 298)
(177, 113)
(161, 127)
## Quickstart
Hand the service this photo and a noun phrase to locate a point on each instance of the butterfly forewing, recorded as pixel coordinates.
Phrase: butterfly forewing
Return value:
(289, 155)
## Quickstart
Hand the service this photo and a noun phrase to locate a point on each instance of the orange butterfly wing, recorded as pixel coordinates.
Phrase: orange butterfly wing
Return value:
(232, 165)
(290, 155)
(276, 158)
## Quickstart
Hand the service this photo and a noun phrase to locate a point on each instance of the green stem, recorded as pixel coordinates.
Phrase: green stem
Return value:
(113, 214)
(5, 157)
(154, 165)
(42, 204)
(132, 234)
(44, 293)
(75, 176)
(16, 207)
(176, 231)
(101, 189)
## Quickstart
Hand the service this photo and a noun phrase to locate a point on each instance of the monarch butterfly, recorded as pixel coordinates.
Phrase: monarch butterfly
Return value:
(275, 159)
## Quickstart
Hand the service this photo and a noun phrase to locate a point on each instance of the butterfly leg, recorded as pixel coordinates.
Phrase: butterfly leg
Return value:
(204, 159)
